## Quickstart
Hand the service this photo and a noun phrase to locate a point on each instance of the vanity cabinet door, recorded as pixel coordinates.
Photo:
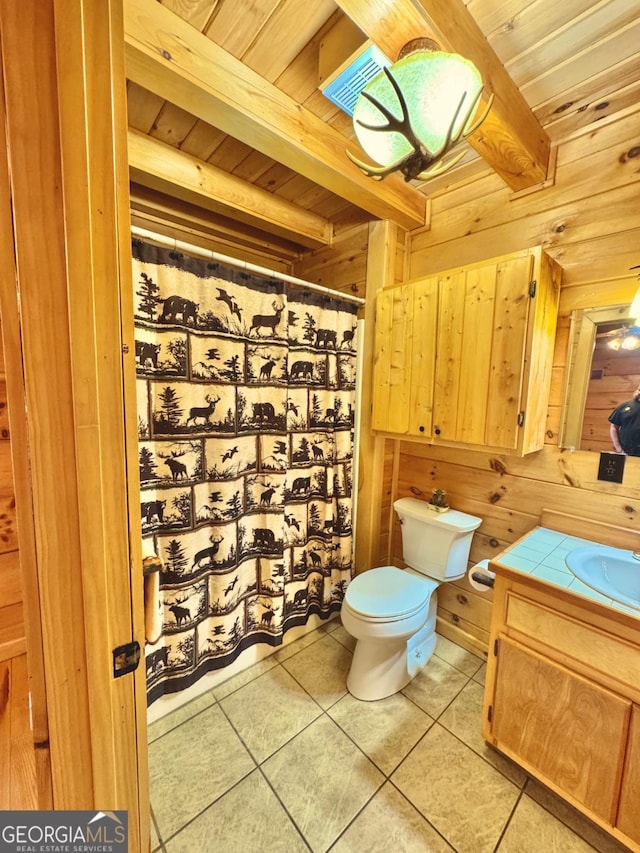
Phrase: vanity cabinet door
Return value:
(568, 730)
(629, 810)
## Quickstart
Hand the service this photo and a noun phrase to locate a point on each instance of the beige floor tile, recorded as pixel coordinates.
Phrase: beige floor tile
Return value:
(322, 670)
(463, 718)
(331, 625)
(180, 715)
(249, 817)
(466, 800)
(292, 648)
(385, 730)
(585, 828)
(269, 711)
(390, 824)
(323, 780)
(481, 675)
(155, 841)
(463, 660)
(237, 681)
(532, 830)
(343, 636)
(435, 686)
(191, 766)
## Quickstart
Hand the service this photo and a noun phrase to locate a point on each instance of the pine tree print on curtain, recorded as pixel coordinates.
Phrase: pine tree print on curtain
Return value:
(246, 395)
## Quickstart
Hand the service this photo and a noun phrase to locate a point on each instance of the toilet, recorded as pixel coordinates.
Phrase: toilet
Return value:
(392, 612)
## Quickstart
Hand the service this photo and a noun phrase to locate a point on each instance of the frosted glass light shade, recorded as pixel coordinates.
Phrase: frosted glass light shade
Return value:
(634, 311)
(433, 84)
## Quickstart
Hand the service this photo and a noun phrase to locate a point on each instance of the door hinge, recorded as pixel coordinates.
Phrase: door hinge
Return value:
(532, 287)
(520, 418)
(490, 713)
(126, 658)
(495, 648)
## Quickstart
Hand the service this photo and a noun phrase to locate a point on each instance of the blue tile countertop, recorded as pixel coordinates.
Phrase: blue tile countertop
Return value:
(541, 554)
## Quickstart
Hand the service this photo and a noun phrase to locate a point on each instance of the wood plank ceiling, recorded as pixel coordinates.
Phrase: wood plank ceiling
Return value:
(225, 112)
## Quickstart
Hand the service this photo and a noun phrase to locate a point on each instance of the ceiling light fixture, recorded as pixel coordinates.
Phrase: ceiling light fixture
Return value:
(634, 310)
(427, 100)
(627, 339)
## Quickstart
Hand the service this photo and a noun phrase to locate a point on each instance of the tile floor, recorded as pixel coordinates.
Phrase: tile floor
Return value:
(281, 759)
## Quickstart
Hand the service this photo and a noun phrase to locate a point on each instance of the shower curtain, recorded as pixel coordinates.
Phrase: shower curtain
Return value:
(246, 395)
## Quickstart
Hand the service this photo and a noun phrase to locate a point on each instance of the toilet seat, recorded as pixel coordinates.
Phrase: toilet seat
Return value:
(388, 594)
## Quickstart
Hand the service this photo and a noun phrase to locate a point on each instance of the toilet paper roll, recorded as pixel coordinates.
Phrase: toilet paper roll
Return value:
(480, 577)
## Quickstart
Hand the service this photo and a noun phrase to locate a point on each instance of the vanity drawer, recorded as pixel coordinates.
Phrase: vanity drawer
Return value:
(596, 650)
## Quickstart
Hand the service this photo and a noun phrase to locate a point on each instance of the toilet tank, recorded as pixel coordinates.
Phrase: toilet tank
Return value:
(435, 544)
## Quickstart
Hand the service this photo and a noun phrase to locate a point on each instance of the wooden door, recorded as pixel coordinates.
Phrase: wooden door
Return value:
(64, 217)
(629, 809)
(570, 731)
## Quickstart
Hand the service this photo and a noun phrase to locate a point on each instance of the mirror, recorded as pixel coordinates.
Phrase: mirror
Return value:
(598, 378)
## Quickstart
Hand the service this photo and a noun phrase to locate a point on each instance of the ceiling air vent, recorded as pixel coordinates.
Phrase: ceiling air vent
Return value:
(343, 87)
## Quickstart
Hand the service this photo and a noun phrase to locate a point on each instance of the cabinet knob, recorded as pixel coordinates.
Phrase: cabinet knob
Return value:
(421, 429)
(437, 430)
(462, 598)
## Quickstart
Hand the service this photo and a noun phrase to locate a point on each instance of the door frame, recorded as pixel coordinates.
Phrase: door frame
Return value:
(64, 218)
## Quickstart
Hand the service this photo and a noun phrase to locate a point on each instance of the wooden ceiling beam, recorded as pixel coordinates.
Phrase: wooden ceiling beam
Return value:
(511, 139)
(167, 56)
(161, 167)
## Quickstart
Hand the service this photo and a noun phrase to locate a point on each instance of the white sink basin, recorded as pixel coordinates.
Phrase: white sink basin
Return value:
(611, 571)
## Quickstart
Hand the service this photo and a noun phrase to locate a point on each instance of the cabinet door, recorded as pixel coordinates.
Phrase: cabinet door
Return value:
(423, 356)
(629, 810)
(565, 727)
(391, 369)
(482, 345)
(405, 340)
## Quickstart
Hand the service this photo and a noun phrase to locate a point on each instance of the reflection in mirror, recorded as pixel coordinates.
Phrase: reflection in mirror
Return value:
(598, 377)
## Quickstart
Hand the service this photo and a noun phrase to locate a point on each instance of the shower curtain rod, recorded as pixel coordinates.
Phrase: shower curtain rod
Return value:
(234, 262)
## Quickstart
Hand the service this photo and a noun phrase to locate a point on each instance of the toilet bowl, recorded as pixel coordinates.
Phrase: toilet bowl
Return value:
(386, 608)
(391, 612)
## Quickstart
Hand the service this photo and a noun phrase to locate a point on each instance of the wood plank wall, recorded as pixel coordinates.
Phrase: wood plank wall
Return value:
(618, 376)
(12, 632)
(17, 756)
(589, 220)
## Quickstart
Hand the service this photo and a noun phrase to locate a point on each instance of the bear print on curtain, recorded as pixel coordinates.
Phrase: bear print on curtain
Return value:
(246, 395)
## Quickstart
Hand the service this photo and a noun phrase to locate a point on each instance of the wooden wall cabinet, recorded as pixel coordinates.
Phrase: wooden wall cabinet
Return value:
(562, 699)
(464, 357)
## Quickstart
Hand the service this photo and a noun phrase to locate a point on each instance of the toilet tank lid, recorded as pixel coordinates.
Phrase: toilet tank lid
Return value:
(453, 519)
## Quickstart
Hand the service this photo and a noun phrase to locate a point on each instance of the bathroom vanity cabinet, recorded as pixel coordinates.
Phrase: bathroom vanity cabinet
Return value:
(464, 357)
(562, 697)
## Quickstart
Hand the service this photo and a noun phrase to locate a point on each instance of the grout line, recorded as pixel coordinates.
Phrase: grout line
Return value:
(284, 808)
(424, 817)
(186, 720)
(209, 805)
(508, 821)
(387, 777)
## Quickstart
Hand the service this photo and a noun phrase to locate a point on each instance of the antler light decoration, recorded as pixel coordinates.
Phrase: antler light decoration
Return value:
(437, 95)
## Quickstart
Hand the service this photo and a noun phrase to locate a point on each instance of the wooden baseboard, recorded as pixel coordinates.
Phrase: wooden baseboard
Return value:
(462, 638)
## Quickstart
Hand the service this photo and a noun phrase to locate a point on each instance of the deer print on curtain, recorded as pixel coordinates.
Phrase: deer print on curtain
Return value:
(246, 394)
